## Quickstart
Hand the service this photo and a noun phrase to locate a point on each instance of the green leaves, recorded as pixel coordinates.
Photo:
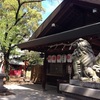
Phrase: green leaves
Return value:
(17, 19)
(32, 57)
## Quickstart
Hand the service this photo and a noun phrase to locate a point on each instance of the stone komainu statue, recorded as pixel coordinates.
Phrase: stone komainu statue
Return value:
(84, 58)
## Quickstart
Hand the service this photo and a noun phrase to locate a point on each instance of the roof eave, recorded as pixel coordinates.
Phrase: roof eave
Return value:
(87, 30)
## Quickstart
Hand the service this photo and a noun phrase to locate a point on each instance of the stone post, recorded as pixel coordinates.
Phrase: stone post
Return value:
(2, 88)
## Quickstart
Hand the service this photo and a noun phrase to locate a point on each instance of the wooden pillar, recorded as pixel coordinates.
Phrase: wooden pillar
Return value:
(44, 73)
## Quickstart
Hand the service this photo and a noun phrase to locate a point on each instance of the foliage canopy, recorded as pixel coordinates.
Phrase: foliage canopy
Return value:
(18, 20)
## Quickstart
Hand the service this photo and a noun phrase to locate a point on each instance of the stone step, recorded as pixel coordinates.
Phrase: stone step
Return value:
(80, 92)
(92, 85)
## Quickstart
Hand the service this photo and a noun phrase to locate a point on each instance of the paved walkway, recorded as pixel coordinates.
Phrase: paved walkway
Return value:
(33, 92)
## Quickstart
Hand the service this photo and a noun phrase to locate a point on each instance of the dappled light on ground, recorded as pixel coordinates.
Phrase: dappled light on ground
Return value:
(33, 92)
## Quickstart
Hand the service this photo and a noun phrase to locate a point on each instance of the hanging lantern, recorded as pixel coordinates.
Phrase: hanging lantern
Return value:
(69, 58)
(58, 58)
(53, 58)
(49, 59)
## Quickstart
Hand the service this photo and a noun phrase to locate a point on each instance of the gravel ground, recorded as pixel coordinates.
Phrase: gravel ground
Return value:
(32, 92)
(26, 90)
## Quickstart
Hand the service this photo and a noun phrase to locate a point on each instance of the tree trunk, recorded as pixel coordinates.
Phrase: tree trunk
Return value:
(6, 65)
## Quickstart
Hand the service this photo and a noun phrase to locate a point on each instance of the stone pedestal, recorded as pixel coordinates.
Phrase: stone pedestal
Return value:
(93, 85)
(2, 88)
(81, 90)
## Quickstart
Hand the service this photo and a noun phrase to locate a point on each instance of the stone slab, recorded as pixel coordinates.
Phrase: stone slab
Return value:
(2, 88)
(2, 75)
(78, 90)
(94, 85)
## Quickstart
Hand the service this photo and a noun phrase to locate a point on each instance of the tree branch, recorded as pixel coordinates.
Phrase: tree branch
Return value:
(19, 19)
(16, 44)
(30, 1)
(19, 6)
(18, 40)
(17, 13)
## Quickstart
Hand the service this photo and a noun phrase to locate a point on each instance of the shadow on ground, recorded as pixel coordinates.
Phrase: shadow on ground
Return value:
(33, 92)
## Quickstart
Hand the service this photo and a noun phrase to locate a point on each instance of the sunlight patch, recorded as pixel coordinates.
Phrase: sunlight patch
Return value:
(16, 87)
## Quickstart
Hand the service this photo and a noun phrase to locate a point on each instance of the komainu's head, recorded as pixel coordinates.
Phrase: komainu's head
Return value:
(82, 45)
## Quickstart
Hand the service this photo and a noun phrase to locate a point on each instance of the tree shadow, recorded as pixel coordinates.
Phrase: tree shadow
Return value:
(35, 92)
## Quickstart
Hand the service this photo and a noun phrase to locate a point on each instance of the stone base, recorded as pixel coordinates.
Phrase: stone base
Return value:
(81, 90)
(94, 85)
(2, 88)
